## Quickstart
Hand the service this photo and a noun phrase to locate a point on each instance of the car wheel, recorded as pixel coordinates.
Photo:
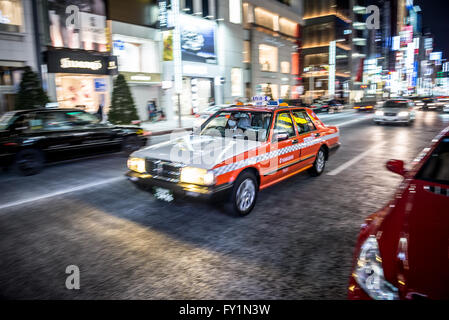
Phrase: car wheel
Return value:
(131, 144)
(244, 194)
(30, 162)
(319, 164)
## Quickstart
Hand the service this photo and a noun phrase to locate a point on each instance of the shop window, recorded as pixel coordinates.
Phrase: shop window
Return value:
(236, 82)
(268, 58)
(235, 11)
(288, 27)
(285, 92)
(285, 67)
(246, 52)
(265, 18)
(248, 15)
(11, 12)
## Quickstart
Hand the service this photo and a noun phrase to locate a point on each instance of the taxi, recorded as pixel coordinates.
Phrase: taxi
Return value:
(237, 152)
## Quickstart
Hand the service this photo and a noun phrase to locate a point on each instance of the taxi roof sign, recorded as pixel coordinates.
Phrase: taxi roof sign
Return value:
(261, 100)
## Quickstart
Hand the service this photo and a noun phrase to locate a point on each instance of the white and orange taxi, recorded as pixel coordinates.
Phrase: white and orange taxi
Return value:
(238, 151)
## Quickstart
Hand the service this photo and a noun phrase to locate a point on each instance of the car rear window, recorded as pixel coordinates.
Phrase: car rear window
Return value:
(436, 169)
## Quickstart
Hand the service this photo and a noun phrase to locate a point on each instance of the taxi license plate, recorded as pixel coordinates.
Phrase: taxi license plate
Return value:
(163, 194)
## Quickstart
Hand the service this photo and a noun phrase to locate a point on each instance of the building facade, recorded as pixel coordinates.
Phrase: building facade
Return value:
(327, 41)
(17, 47)
(78, 65)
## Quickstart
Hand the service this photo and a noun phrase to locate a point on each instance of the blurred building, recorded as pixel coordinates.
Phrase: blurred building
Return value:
(202, 73)
(271, 48)
(78, 65)
(326, 50)
(17, 47)
(137, 44)
(233, 50)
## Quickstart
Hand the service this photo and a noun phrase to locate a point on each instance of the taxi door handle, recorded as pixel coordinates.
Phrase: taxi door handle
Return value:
(317, 135)
(295, 141)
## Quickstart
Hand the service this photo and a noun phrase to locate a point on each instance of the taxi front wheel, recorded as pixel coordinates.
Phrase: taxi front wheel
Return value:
(319, 164)
(244, 194)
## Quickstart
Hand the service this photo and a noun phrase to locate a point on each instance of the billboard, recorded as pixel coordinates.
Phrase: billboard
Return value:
(436, 56)
(78, 24)
(198, 39)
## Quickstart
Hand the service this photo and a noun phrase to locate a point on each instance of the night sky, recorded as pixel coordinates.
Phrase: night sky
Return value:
(436, 18)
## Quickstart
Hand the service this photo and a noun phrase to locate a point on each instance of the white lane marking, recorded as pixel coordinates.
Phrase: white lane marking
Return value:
(353, 161)
(343, 124)
(59, 193)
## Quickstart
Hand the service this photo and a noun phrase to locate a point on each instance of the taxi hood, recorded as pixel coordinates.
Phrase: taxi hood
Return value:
(198, 151)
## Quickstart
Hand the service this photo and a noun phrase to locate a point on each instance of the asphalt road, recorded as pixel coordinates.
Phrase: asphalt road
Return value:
(296, 244)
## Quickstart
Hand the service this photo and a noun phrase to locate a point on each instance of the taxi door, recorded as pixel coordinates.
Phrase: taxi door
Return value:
(308, 135)
(284, 151)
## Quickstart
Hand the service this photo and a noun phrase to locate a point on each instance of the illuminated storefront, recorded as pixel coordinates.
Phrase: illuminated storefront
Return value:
(272, 51)
(79, 66)
(82, 79)
(200, 69)
(140, 62)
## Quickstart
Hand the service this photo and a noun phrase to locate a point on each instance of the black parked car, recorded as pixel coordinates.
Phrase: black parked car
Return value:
(30, 138)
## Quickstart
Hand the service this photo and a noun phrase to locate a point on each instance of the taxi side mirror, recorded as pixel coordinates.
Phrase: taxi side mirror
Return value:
(280, 136)
(396, 166)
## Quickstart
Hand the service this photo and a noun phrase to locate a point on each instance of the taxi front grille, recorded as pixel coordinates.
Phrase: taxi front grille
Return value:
(164, 170)
(390, 114)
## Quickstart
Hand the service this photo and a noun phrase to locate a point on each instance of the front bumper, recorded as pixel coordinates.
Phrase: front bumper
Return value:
(146, 183)
(396, 119)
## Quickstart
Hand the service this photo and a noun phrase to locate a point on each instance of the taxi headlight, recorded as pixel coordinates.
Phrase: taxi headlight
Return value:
(197, 176)
(379, 113)
(137, 165)
(369, 273)
(403, 114)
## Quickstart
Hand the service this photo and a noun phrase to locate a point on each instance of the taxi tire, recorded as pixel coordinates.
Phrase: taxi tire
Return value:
(29, 162)
(232, 205)
(314, 171)
(131, 144)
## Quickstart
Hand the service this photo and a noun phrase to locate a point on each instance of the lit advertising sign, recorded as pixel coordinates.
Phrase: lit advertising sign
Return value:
(77, 24)
(163, 14)
(406, 35)
(436, 56)
(198, 39)
(396, 43)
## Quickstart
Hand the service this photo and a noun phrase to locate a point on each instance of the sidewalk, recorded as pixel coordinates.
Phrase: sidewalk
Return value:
(168, 126)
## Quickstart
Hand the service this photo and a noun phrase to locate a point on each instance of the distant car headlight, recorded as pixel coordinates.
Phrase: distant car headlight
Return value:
(379, 113)
(197, 176)
(403, 114)
(369, 273)
(137, 165)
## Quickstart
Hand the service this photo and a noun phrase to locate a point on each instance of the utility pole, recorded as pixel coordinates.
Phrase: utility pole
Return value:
(177, 58)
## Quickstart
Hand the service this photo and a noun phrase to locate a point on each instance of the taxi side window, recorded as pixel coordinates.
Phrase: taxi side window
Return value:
(52, 121)
(284, 123)
(303, 122)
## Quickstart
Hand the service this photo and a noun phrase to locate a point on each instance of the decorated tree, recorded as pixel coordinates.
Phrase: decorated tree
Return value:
(31, 94)
(123, 109)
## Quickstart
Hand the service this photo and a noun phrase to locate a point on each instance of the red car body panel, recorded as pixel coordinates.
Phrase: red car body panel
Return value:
(413, 236)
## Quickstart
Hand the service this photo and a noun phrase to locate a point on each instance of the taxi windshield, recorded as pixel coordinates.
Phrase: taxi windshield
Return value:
(247, 125)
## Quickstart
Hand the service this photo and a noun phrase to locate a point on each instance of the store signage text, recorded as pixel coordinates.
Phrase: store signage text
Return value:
(92, 65)
(74, 61)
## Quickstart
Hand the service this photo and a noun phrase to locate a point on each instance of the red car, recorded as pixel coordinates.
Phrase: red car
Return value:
(403, 250)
